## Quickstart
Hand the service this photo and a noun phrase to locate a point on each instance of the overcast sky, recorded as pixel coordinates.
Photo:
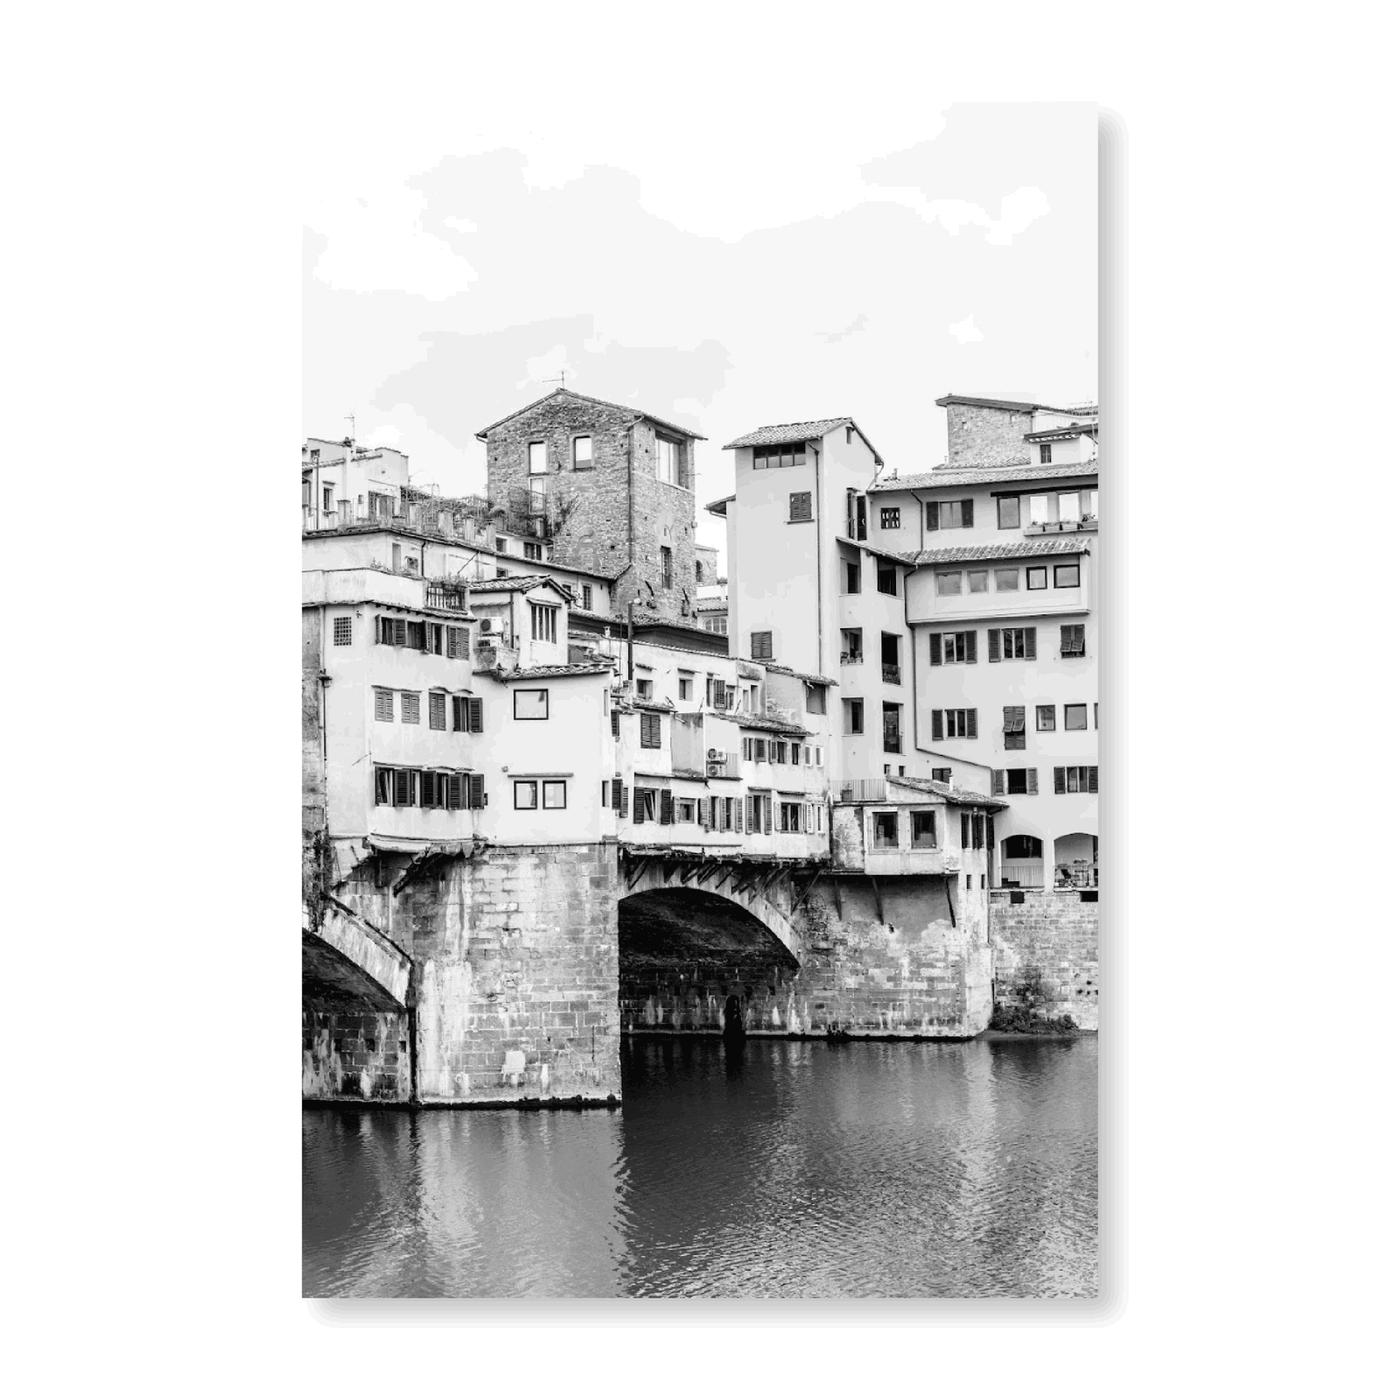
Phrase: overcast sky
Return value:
(443, 290)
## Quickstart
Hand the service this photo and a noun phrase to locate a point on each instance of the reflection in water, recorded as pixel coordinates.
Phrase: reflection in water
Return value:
(750, 1169)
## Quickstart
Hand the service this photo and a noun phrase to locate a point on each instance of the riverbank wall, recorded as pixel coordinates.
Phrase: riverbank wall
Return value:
(1045, 954)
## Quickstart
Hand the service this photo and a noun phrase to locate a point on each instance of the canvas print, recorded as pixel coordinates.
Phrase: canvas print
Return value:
(700, 721)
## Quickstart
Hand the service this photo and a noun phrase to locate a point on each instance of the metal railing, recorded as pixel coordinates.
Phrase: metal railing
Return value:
(1078, 875)
(445, 596)
(889, 674)
(1062, 527)
(1023, 875)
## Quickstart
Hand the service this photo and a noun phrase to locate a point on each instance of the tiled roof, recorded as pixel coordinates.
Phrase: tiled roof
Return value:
(1026, 549)
(1067, 430)
(516, 583)
(584, 398)
(714, 506)
(981, 476)
(965, 796)
(539, 673)
(773, 726)
(798, 432)
(1013, 404)
(801, 675)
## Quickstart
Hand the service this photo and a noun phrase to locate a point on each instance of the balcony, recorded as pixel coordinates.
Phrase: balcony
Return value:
(446, 596)
(1062, 527)
(852, 658)
(1022, 875)
(890, 675)
(1077, 875)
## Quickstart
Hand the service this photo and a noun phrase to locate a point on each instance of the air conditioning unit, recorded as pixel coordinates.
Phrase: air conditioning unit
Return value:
(715, 756)
(490, 627)
(714, 770)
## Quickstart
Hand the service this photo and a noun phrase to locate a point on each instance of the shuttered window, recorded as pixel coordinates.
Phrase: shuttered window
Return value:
(459, 643)
(476, 790)
(1079, 779)
(405, 787)
(1011, 644)
(1014, 782)
(949, 648)
(342, 630)
(761, 646)
(437, 709)
(619, 793)
(393, 631)
(799, 505)
(668, 809)
(408, 706)
(384, 705)
(1072, 639)
(651, 731)
(955, 724)
(949, 515)
(383, 786)
(1013, 726)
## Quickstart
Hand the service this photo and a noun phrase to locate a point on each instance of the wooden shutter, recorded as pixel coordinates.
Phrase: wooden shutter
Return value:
(935, 648)
(971, 647)
(1094, 778)
(383, 629)
(1030, 643)
(619, 795)
(938, 724)
(668, 808)
(400, 632)
(427, 789)
(474, 714)
(768, 816)
(991, 839)
(994, 644)
(702, 812)
(403, 787)
(966, 839)
(1059, 780)
(476, 790)
(972, 724)
(967, 514)
(638, 807)
(622, 800)
(998, 781)
(454, 791)
(1032, 781)
(932, 514)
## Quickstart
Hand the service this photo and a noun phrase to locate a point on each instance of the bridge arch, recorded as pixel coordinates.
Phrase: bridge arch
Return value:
(349, 965)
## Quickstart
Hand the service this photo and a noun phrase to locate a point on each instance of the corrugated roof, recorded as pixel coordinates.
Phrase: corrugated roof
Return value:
(981, 476)
(584, 398)
(1025, 549)
(799, 432)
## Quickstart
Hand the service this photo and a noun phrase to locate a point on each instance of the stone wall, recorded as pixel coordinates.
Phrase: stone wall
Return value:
(515, 977)
(898, 968)
(1046, 954)
(355, 1055)
(986, 436)
(616, 516)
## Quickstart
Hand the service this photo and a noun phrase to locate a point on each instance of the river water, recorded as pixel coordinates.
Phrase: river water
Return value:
(785, 1169)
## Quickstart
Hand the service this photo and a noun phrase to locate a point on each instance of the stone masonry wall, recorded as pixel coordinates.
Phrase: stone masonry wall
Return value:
(1050, 945)
(354, 1055)
(912, 973)
(614, 515)
(515, 977)
(986, 436)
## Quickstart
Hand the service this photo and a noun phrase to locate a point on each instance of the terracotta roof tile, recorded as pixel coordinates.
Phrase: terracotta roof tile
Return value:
(1025, 549)
(984, 475)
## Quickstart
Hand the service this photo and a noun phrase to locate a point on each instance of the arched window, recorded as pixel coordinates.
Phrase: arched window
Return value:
(1022, 848)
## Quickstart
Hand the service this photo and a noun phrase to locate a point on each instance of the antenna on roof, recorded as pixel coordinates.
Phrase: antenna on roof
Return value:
(550, 380)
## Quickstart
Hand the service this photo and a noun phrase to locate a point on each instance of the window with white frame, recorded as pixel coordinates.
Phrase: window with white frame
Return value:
(668, 461)
(544, 622)
(538, 462)
(583, 453)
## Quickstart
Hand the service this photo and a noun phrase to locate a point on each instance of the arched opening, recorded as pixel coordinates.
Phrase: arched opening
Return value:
(1077, 861)
(1022, 863)
(682, 953)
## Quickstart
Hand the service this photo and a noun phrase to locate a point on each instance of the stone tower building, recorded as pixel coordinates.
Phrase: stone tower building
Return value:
(610, 488)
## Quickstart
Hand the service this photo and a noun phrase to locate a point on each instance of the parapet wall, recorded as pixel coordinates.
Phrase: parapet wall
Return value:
(1046, 954)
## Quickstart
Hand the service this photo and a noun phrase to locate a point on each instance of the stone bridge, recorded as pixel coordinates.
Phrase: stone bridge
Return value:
(346, 960)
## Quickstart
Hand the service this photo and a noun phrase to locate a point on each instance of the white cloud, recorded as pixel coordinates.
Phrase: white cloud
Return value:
(964, 331)
(1019, 211)
(542, 371)
(386, 435)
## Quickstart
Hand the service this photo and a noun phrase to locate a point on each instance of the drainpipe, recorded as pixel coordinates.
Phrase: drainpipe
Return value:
(632, 603)
(817, 464)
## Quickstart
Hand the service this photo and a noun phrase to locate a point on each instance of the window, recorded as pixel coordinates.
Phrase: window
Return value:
(1013, 726)
(1045, 717)
(884, 580)
(437, 709)
(855, 516)
(761, 646)
(1077, 779)
(977, 580)
(1066, 575)
(893, 729)
(889, 517)
(544, 622)
(667, 577)
(942, 775)
(538, 463)
(1008, 512)
(685, 809)
(777, 751)
(816, 699)
(799, 505)
(343, 631)
(668, 460)
(1015, 782)
(532, 704)
(408, 706)
(643, 805)
(1068, 504)
(1035, 577)
(886, 826)
(1076, 716)
(586, 600)
(717, 622)
(852, 576)
(583, 454)
(392, 631)
(526, 795)
(533, 551)
(949, 515)
(687, 687)
(789, 816)
(556, 793)
(851, 646)
(1089, 503)
(854, 716)
(947, 584)
(1072, 639)
(955, 724)
(650, 731)
(1040, 509)
(780, 454)
(924, 835)
(1044, 453)
(466, 714)
(502, 547)
(1008, 580)
(502, 573)
(384, 704)
(1011, 644)
(948, 648)
(417, 635)
(327, 497)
